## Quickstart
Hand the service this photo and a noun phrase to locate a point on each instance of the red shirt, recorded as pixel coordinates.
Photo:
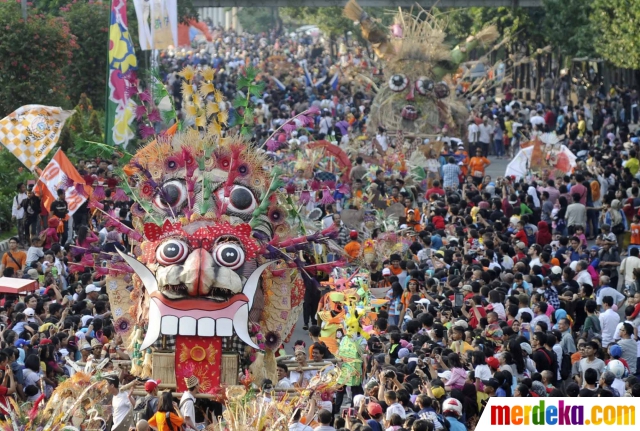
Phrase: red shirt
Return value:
(521, 235)
(434, 191)
(3, 399)
(473, 322)
(438, 222)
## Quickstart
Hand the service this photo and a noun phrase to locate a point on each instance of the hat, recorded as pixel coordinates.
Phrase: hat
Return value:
(299, 349)
(374, 409)
(467, 287)
(150, 385)
(33, 274)
(424, 301)
(191, 382)
(29, 312)
(556, 270)
(493, 362)
(521, 245)
(95, 343)
(86, 346)
(491, 382)
(386, 271)
(526, 347)
(353, 234)
(45, 327)
(20, 343)
(445, 375)
(538, 388)
(615, 351)
(438, 392)
(91, 288)
(372, 384)
(45, 341)
(85, 319)
(403, 353)
(460, 145)
(461, 323)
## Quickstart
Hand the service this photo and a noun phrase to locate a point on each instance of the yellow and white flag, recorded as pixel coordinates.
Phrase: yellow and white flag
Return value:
(31, 131)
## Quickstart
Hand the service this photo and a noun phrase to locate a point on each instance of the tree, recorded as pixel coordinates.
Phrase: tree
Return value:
(256, 19)
(573, 14)
(87, 72)
(33, 56)
(616, 24)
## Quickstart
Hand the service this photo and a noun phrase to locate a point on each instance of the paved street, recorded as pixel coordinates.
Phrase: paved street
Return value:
(496, 169)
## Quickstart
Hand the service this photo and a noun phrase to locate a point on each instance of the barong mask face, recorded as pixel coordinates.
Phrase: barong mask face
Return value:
(200, 267)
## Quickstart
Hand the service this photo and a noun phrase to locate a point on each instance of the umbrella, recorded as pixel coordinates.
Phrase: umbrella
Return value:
(519, 166)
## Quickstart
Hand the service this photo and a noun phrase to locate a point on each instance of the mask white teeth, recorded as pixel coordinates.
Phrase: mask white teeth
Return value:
(206, 327)
(224, 327)
(169, 325)
(241, 325)
(153, 331)
(187, 326)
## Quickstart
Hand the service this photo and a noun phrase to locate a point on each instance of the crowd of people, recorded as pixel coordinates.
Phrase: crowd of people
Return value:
(498, 291)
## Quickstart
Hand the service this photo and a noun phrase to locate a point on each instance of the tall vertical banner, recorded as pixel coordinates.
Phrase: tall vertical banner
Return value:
(157, 23)
(121, 73)
(31, 131)
(55, 176)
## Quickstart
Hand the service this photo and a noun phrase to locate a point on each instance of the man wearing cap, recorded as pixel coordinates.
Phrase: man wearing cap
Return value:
(150, 402)
(92, 292)
(188, 402)
(301, 377)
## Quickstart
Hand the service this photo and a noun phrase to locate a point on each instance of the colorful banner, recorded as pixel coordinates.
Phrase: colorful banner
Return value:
(200, 357)
(121, 73)
(55, 176)
(157, 23)
(30, 132)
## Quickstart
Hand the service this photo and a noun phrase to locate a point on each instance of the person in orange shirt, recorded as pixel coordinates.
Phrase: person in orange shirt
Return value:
(168, 417)
(14, 258)
(477, 166)
(464, 156)
(635, 232)
(353, 247)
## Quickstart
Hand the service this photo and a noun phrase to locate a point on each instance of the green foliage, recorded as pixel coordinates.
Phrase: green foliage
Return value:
(243, 115)
(89, 22)
(256, 19)
(616, 23)
(33, 55)
(573, 14)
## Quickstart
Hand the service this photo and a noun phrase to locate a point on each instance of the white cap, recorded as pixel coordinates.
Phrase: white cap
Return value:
(556, 270)
(386, 271)
(445, 375)
(30, 312)
(461, 323)
(91, 288)
(423, 301)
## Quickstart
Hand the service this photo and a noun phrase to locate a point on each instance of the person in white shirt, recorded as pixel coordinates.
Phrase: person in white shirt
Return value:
(17, 211)
(35, 252)
(187, 404)
(472, 136)
(485, 135)
(537, 119)
(299, 377)
(540, 311)
(325, 124)
(605, 290)
(609, 319)
(627, 266)
(122, 403)
(283, 379)
(381, 138)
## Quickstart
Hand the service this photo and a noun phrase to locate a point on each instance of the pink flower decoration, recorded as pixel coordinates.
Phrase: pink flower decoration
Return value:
(154, 116)
(141, 111)
(131, 91)
(344, 188)
(98, 193)
(145, 96)
(272, 145)
(290, 188)
(314, 185)
(305, 197)
(289, 127)
(146, 131)
(120, 196)
(327, 197)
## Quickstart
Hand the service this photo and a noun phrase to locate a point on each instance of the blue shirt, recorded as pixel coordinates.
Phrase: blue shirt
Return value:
(455, 424)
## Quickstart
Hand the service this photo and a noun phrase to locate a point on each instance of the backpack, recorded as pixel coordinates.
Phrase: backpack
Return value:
(596, 328)
(145, 408)
(618, 229)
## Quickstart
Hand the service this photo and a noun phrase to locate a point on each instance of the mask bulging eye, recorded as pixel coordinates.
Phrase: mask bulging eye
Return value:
(398, 82)
(229, 254)
(173, 195)
(240, 200)
(424, 85)
(172, 252)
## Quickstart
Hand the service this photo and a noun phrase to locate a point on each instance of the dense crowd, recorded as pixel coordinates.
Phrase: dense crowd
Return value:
(508, 287)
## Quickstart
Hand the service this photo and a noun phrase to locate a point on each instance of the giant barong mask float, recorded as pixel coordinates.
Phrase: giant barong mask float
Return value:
(415, 97)
(216, 248)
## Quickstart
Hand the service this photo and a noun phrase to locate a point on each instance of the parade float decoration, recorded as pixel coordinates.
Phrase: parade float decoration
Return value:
(544, 156)
(416, 97)
(216, 263)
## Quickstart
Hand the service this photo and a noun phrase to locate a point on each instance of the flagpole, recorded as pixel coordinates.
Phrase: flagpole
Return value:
(107, 127)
